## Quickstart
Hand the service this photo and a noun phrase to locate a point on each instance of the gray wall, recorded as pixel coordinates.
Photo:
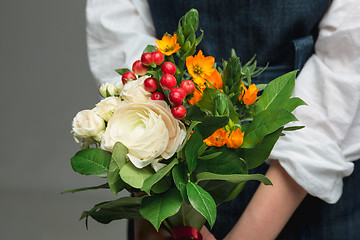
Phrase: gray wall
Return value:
(45, 81)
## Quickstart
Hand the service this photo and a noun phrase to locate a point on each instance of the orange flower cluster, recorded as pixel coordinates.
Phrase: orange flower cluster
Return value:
(168, 45)
(249, 95)
(203, 73)
(221, 137)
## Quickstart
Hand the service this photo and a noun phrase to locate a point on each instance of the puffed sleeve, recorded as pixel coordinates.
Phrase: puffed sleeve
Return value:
(117, 32)
(319, 156)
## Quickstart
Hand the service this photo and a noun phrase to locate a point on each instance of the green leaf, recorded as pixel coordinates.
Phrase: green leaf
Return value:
(121, 71)
(122, 208)
(180, 177)
(163, 185)
(226, 163)
(202, 202)
(187, 216)
(277, 92)
(149, 49)
(191, 148)
(257, 155)
(105, 185)
(292, 103)
(134, 176)
(264, 123)
(210, 124)
(118, 160)
(91, 161)
(158, 207)
(188, 132)
(149, 182)
(210, 156)
(194, 113)
(206, 103)
(115, 182)
(119, 154)
(294, 128)
(234, 178)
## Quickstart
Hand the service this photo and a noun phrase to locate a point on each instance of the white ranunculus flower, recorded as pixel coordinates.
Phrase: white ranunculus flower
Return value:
(134, 91)
(148, 130)
(87, 124)
(106, 107)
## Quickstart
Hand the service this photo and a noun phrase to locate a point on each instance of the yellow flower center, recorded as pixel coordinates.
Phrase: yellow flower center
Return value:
(169, 48)
(198, 70)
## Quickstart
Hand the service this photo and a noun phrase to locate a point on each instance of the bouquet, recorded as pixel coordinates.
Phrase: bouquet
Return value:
(181, 133)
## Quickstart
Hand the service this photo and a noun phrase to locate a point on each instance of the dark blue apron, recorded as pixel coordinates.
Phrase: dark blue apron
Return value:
(281, 33)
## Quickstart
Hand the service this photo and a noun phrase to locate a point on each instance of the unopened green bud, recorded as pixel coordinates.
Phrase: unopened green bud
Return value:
(221, 105)
(192, 18)
(186, 47)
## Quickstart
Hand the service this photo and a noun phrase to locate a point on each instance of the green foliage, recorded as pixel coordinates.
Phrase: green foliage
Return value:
(232, 72)
(191, 149)
(202, 202)
(180, 177)
(121, 71)
(227, 162)
(257, 155)
(277, 92)
(118, 160)
(150, 181)
(158, 207)
(234, 178)
(149, 49)
(91, 161)
(134, 176)
(105, 212)
(210, 124)
(264, 123)
(86, 188)
(187, 216)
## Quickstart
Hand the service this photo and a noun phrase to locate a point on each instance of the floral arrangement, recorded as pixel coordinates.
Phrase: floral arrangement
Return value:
(181, 131)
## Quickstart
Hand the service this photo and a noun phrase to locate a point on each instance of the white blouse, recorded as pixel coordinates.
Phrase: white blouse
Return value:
(318, 156)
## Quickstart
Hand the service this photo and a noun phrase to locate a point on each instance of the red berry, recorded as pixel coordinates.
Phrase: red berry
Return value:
(178, 112)
(188, 86)
(157, 96)
(168, 81)
(127, 76)
(158, 57)
(168, 67)
(139, 68)
(147, 59)
(150, 84)
(177, 96)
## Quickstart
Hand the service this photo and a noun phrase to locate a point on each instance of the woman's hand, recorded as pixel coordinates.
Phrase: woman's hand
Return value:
(143, 230)
(206, 234)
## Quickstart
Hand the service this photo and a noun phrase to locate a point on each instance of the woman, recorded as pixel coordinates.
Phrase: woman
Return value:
(313, 160)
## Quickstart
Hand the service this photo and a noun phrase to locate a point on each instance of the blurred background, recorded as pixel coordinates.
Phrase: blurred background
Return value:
(45, 81)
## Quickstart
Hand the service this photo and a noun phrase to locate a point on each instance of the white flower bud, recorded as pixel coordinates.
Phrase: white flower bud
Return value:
(106, 107)
(108, 89)
(87, 124)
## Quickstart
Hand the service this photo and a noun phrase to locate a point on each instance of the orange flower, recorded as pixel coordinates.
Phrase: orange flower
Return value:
(249, 96)
(217, 139)
(168, 45)
(235, 139)
(214, 79)
(199, 65)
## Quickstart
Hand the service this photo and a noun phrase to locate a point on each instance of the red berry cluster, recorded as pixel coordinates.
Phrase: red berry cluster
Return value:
(167, 81)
